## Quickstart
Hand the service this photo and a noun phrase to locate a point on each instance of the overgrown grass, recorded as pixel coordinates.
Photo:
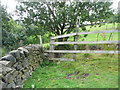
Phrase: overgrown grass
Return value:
(89, 71)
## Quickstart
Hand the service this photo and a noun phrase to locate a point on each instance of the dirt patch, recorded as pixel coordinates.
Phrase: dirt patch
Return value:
(85, 75)
(70, 76)
(76, 76)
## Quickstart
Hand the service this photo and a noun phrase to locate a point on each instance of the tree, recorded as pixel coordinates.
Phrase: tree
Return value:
(56, 16)
(12, 33)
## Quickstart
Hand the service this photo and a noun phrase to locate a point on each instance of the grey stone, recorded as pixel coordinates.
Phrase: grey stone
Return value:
(28, 48)
(9, 57)
(8, 77)
(20, 86)
(1, 75)
(0, 68)
(6, 69)
(16, 54)
(19, 74)
(27, 74)
(11, 85)
(46, 54)
(14, 74)
(2, 84)
(4, 62)
(28, 59)
(15, 65)
(18, 81)
(24, 71)
(19, 67)
(22, 55)
(23, 77)
(25, 63)
(37, 46)
(23, 51)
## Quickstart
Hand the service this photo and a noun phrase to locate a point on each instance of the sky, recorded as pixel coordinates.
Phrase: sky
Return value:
(11, 5)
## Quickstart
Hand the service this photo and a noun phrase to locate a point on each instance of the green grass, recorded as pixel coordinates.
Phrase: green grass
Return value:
(107, 26)
(93, 37)
(89, 71)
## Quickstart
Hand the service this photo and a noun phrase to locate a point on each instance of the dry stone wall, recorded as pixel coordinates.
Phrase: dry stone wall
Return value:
(18, 65)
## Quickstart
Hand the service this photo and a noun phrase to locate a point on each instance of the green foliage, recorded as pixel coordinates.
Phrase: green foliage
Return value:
(114, 19)
(3, 51)
(55, 16)
(95, 71)
(12, 32)
(32, 40)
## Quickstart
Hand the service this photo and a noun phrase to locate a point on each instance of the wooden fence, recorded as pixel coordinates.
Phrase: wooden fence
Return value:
(75, 42)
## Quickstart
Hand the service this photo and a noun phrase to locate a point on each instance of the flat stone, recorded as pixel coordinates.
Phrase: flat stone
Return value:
(25, 63)
(15, 65)
(8, 57)
(27, 74)
(11, 85)
(20, 73)
(37, 46)
(6, 69)
(16, 54)
(18, 81)
(0, 68)
(23, 77)
(19, 67)
(22, 55)
(2, 84)
(1, 75)
(24, 71)
(23, 51)
(28, 48)
(8, 77)
(46, 54)
(4, 62)
(19, 86)
(14, 74)
(31, 73)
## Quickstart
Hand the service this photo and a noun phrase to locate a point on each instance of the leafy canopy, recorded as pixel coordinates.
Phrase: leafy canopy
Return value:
(12, 32)
(56, 16)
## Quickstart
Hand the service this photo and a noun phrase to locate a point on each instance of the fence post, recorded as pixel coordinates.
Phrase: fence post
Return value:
(40, 41)
(76, 36)
(51, 48)
(75, 46)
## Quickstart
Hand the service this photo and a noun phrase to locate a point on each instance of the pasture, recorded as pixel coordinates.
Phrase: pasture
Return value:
(89, 71)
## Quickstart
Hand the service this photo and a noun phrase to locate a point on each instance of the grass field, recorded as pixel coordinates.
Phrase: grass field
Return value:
(93, 37)
(89, 71)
